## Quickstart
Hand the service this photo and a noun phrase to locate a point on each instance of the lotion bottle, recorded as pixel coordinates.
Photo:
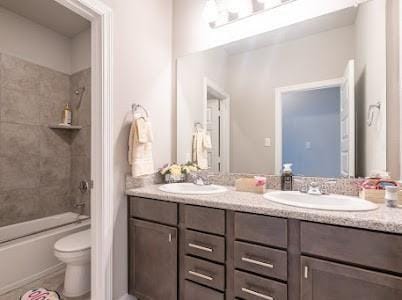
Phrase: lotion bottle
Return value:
(287, 178)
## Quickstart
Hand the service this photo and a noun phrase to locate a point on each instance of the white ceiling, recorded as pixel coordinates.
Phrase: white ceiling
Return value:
(50, 14)
(327, 22)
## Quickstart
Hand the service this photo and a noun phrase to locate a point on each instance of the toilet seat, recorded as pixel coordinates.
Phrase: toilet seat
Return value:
(76, 242)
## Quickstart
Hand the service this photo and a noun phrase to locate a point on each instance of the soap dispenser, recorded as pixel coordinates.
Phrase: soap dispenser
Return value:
(287, 178)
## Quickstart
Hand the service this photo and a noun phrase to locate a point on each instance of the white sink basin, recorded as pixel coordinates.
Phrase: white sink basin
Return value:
(192, 189)
(322, 202)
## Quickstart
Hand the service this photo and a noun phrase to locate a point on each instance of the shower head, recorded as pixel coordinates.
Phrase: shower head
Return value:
(79, 91)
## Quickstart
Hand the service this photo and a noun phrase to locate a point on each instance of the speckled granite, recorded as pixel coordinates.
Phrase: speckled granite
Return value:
(339, 186)
(382, 219)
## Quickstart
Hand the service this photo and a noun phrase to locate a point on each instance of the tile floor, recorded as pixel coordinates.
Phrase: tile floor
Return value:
(51, 282)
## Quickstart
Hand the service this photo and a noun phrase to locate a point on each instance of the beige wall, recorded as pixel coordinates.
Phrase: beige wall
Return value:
(81, 51)
(253, 77)
(30, 41)
(35, 43)
(371, 81)
(142, 61)
(191, 105)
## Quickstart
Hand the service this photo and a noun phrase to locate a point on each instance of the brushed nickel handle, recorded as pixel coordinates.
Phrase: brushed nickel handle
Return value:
(195, 246)
(305, 272)
(206, 277)
(257, 262)
(170, 237)
(259, 295)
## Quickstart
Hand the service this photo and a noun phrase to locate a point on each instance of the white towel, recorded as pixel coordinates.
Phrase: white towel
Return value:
(140, 148)
(201, 144)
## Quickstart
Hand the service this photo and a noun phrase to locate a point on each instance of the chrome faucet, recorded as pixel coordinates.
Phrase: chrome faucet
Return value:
(200, 179)
(316, 189)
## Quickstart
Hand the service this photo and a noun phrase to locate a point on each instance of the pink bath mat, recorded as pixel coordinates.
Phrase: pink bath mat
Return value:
(40, 294)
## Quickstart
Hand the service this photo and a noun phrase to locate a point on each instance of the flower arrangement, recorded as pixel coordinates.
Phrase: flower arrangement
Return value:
(176, 172)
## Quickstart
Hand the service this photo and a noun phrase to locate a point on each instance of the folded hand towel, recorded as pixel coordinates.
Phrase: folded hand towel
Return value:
(140, 148)
(200, 146)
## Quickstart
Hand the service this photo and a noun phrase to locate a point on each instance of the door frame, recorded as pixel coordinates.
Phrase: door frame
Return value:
(225, 114)
(309, 86)
(100, 16)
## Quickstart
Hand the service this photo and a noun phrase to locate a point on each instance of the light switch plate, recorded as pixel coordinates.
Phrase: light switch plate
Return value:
(267, 142)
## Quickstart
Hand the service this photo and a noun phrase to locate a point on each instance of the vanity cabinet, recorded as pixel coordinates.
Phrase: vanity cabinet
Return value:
(189, 252)
(153, 249)
(349, 264)
(333, 281)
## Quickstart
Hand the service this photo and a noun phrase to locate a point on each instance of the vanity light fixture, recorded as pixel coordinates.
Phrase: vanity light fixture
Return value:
(222, 12)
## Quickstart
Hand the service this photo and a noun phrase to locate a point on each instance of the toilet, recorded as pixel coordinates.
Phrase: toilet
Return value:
(75, 251)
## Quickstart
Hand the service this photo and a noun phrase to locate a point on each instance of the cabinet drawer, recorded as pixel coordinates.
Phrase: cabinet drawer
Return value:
(194, 291)
(154, 210)
(205, 219)
(261, 260)
(204, 272)
(270, 231)
(366, 248)
(252, 287)
(205, 245)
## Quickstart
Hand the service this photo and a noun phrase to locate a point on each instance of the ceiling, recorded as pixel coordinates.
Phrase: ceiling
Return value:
(327, 22)
(50, 14)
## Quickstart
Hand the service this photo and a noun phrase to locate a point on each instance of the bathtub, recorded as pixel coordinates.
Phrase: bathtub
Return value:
(26, 249)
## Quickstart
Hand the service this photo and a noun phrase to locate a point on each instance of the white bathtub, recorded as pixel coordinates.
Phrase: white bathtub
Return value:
(26, 249)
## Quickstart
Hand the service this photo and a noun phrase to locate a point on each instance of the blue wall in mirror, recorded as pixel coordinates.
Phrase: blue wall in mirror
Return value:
(311, 131)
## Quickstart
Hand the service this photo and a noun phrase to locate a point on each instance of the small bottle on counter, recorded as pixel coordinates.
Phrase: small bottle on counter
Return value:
(287, 178)
(391, 196)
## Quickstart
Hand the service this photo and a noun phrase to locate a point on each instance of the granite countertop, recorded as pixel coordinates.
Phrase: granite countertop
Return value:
(383, 219)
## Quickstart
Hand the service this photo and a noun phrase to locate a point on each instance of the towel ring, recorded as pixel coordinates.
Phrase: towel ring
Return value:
(135, 107)
(371, 117)
(198, 125)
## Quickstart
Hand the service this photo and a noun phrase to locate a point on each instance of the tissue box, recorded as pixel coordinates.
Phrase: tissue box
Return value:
(376, 196)
(249, 185)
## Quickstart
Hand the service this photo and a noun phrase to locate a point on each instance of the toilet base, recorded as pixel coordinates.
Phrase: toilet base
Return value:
(77, 281)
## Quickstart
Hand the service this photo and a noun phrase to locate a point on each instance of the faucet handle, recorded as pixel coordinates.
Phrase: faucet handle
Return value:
(314, 184)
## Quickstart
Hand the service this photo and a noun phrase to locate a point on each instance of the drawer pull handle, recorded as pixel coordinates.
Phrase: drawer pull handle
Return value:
(209, 278)
(259, 295)
(198, 247)
(257, 262)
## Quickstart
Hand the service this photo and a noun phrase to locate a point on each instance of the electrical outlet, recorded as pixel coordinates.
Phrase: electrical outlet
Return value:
(267, 142)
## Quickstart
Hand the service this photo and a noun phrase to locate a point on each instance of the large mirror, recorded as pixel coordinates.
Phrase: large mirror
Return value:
(312, 94)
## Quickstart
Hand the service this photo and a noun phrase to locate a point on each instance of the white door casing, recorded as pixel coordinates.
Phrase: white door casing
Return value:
(347, 122)
(224, 98)
(102, 211)
(213, 129)
(278, 111)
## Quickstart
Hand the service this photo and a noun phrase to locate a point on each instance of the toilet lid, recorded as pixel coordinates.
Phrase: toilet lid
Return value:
(75, 242)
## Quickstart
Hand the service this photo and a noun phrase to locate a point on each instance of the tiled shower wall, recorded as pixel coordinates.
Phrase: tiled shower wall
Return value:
(36, 163)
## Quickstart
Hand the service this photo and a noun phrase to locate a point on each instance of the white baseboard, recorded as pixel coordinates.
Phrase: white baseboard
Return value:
(127, 297)
(22, 282)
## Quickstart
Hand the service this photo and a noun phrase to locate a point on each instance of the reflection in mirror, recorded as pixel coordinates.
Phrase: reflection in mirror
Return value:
(312, 94)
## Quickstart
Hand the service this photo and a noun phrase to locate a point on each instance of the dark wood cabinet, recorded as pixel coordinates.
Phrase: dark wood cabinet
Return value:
(188, 252)
(333, 281)
(153, 260)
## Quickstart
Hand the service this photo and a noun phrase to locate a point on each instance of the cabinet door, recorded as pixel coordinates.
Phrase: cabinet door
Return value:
(332, 281)
(153, 261)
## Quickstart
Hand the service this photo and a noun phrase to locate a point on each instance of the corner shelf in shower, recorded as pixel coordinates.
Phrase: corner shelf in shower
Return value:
(65, 127)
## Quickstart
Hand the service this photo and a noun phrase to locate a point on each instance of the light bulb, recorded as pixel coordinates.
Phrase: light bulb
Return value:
(211, 11)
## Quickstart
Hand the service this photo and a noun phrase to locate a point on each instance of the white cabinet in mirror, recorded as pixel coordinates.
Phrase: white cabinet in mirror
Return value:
(299, 94)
